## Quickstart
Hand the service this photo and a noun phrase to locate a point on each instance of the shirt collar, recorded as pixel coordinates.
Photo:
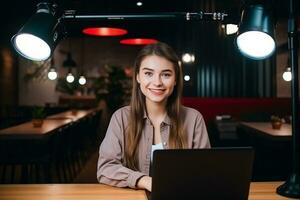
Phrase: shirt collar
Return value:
(166, 120)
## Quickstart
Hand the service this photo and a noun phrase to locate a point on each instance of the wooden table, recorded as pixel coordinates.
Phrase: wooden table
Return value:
(265, 129)
(264, 191)
(27, 129)
(69, 191)
(258, 191)
(74, 115)
(50, 124)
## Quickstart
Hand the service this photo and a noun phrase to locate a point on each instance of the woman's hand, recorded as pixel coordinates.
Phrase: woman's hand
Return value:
(145, 183)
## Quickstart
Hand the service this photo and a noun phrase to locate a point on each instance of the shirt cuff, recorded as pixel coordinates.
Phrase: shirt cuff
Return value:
(133, 177)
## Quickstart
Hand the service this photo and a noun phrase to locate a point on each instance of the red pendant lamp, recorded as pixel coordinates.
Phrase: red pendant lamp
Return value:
(138, 41)
(104, 31)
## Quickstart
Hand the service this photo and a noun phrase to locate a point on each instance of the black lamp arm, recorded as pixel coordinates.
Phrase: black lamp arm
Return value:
(216, 16)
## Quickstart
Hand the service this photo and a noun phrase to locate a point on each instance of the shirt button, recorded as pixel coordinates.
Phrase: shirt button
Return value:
(164, 143)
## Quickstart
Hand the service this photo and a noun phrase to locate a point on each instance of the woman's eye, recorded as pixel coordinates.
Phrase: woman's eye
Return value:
(148, 73)
(166, 75)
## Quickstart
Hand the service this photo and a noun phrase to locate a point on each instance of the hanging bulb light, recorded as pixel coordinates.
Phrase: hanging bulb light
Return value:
(139, 3)
(231, 29)
(52, 74)
(188, 58)
(82, 80)
(70, 78)
(187, 78)
(287, 74)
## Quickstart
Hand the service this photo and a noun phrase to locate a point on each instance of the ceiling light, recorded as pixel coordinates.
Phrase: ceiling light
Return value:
(187, 77)
(138, 41)
(52, 74)
(70, 78)
(139, 3)
(104, 31)
(188, 58)
(287, 74)
(231, 29)
(82, 80)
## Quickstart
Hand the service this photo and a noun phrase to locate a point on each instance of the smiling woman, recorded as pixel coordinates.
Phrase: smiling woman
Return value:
(154, 119)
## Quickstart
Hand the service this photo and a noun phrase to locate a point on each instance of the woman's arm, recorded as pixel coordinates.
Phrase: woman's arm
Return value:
(200, 137)
(110, 169)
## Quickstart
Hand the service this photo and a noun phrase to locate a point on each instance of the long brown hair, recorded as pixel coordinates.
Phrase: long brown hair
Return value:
(137, 105)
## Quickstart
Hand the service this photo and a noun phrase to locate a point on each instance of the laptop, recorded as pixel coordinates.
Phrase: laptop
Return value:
(207, 174)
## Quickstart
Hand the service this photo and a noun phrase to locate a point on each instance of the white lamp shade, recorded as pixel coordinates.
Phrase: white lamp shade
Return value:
(32, 47)
(255, 44)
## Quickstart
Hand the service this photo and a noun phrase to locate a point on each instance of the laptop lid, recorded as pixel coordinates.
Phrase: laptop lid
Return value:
(209, 174)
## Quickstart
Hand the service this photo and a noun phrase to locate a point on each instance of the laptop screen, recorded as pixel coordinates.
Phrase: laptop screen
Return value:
(216, 173)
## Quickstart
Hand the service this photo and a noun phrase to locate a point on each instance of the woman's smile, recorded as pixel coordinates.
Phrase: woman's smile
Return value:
(157, 91)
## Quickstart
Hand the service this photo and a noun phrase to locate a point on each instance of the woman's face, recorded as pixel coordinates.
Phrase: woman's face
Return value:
(156, 78)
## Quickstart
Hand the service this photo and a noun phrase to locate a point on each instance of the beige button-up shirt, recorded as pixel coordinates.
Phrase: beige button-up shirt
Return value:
(111, 169)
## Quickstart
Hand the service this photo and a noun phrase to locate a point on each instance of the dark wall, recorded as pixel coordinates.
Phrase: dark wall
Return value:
(8, 76)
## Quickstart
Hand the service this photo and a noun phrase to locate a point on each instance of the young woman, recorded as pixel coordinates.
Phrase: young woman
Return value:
(155, 119)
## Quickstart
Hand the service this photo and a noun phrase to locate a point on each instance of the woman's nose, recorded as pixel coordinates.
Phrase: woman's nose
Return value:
(157, 80)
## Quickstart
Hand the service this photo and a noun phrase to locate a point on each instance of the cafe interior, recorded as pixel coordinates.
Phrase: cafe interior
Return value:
(56, 103)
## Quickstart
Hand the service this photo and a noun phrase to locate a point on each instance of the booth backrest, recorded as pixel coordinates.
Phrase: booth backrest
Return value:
(249, 109)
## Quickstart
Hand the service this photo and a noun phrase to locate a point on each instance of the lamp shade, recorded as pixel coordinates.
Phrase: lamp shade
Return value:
(37, 39)
(69, 62)
(104, 31)
(256, 33)
(138, 41)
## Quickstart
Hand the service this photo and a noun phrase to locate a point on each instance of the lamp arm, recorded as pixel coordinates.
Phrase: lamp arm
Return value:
(216, 16)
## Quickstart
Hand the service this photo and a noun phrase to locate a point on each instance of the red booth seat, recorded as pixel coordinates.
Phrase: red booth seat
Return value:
(238, 107)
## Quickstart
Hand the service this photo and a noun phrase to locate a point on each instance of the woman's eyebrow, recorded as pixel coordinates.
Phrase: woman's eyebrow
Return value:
(146, 68)
(164, 70)
(167, 70)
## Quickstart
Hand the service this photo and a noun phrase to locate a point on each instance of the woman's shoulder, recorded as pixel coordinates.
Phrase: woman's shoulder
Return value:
(125, 109)
(122, 112)
(190, 113)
